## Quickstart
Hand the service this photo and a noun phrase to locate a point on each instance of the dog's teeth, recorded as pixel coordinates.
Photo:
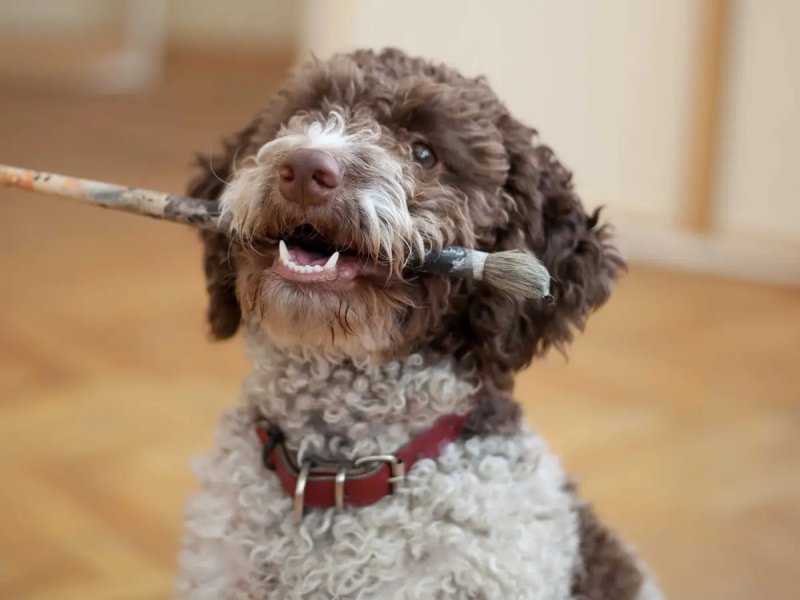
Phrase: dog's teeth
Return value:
(286, 258)
(284, 253)
(332, 261)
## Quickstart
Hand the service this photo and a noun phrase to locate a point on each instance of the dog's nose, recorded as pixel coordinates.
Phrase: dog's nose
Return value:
(308, 177)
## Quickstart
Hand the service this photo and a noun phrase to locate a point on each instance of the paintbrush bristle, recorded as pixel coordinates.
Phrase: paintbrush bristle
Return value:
(517, 274)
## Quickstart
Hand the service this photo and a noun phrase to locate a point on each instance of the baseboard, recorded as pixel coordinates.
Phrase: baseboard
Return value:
(726, 255)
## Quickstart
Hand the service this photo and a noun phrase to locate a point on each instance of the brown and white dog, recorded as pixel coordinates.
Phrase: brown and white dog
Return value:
(355, 164)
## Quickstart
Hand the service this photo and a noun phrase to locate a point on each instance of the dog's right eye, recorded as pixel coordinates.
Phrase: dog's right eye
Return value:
(424, 154)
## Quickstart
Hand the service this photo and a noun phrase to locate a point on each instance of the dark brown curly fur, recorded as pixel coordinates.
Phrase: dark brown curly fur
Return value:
(607, 569)
(224, 313)
(495, 188)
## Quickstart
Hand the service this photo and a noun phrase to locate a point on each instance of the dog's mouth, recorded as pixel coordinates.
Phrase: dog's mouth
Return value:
(306, 256)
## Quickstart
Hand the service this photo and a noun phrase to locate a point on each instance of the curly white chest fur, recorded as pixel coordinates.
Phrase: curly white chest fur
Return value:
(490, 518)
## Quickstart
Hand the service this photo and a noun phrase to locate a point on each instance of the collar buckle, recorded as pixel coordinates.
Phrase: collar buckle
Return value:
(398, 476)
(397, 466)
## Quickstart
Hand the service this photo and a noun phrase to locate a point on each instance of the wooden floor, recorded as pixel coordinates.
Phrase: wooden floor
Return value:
(679, 410)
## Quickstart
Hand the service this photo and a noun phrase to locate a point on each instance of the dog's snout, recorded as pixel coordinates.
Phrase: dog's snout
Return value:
(308, 177)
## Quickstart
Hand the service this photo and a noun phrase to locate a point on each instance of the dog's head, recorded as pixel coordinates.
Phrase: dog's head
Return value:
(360, 162)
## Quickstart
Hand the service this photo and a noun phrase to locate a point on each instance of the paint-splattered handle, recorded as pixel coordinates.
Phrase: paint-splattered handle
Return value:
(182, 209)
(513, 272)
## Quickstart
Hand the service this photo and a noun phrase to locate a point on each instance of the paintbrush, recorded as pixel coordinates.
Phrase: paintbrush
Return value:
(514, 273)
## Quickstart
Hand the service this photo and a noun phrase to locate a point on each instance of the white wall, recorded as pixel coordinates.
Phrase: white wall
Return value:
(759, 185)
(606, 83)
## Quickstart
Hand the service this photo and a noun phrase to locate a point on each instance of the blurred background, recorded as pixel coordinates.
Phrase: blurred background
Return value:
(678, 410)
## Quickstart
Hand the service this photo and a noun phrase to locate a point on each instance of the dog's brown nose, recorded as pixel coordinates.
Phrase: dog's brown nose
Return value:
(308, 177)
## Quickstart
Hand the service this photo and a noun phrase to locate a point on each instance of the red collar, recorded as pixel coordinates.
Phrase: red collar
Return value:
(360, 483)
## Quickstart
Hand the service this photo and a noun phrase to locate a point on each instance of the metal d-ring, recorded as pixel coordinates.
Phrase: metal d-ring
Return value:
(300, 491)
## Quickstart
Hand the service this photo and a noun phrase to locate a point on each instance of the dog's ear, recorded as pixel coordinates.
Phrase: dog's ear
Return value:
(545, 217)
(224, 312)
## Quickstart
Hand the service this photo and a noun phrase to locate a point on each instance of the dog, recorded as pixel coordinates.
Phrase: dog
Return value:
(377, 451)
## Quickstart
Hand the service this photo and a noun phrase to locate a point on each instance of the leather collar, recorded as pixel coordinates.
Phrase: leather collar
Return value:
(362, 482)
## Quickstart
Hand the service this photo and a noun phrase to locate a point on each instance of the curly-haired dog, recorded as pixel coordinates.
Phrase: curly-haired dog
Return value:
(356, 164)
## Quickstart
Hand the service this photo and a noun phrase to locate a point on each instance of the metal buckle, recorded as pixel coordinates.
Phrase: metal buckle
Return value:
(300, 491)
(397, 466)
(398, 470)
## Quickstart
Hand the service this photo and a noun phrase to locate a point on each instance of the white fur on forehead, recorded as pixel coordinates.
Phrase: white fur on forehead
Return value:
(308, 132)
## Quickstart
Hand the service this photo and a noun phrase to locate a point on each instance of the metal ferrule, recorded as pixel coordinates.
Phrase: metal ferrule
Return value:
(455, 261)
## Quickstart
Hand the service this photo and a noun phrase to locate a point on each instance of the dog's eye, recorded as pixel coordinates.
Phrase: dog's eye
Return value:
(423, 154)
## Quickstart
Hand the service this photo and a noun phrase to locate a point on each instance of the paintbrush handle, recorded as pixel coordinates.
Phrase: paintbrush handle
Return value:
(452, 261)
(181, 209)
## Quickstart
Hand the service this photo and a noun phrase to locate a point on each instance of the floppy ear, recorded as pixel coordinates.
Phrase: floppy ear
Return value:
(545, 217)
(224, 313)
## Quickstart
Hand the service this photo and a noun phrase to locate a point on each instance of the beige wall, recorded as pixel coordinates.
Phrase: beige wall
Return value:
(606, 83)
(239, 23)
(55, 16)
(243, 23)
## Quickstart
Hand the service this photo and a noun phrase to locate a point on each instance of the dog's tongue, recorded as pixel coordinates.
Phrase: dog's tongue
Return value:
(304, 266)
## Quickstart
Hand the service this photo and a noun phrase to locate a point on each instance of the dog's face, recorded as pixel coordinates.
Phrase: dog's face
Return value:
(365, 160)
